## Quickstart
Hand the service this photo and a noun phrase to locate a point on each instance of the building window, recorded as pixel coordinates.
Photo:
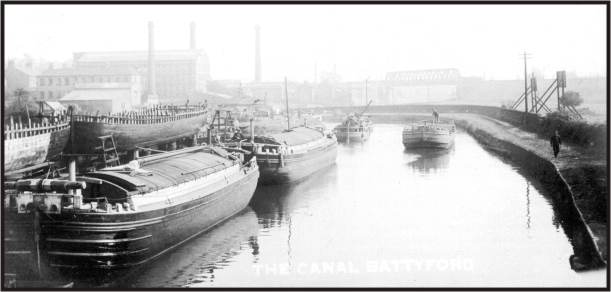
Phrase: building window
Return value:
(42, 94)
(50, 81)
(50, 94)
(66, 81)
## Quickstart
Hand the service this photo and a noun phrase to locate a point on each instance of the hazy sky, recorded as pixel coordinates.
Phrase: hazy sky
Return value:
(360, 40)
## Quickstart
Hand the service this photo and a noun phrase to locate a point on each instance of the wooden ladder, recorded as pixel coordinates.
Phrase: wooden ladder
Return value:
(109, 155)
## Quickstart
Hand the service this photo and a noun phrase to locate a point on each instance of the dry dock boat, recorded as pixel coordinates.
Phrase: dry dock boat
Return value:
(126, 215)
(429, 134)
(354, 128)
(291, 155)
(140, 128)
(31, 144)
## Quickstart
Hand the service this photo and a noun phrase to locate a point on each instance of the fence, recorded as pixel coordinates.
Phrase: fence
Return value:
(152, 115)
(17, 130)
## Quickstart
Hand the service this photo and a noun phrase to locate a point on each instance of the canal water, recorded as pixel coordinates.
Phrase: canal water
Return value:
(384, 217)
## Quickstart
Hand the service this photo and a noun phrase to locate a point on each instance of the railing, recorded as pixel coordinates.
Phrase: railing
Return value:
(152, 115)
(17, 130)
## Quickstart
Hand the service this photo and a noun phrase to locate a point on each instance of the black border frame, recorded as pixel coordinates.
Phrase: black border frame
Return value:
(607, 5)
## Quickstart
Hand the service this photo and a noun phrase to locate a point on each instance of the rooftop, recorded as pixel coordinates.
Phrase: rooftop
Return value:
(88, 71)
(141, 56)
(88, 94)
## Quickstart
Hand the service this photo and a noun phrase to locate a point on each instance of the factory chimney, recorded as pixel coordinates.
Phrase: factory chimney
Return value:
(192, 45)
(257, 53)
(151, 95)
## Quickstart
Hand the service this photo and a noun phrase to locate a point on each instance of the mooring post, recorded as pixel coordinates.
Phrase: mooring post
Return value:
(78, 198)
(348, 132)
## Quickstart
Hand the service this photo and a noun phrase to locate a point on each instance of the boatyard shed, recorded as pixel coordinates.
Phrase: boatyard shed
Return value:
(102, 99)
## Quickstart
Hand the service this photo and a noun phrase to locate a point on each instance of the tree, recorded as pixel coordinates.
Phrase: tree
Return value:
(21, 94)
(571, 99)
(20, 103)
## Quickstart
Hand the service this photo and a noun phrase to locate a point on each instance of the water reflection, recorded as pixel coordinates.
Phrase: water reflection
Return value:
(528, 204)
(196, 261)
(430, 160)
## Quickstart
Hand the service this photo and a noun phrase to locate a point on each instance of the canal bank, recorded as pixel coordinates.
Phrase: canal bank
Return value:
(577, 178)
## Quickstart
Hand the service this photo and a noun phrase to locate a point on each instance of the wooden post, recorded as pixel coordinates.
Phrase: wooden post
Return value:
(37, 240)
(252, 133)
(348, 132)
(288, 115)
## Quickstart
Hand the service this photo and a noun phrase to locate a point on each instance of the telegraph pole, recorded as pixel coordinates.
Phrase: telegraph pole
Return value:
(366, 90)
(288, 115)
(525, 55)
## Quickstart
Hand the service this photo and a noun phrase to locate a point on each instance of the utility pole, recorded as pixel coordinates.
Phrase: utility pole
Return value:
(288, 115)
(366, 90)
(525, 55)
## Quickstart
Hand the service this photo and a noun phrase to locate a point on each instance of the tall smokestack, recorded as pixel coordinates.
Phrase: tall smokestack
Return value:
(151, 61)
(257, 53)
(192, 46)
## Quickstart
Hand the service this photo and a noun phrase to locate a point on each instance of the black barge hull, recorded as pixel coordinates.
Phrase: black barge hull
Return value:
(291, 168)
(113, 241)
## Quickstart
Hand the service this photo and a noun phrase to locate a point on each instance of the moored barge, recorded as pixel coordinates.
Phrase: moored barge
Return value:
(124, 216)
(291, 155)
(429, 134)
(355, 128)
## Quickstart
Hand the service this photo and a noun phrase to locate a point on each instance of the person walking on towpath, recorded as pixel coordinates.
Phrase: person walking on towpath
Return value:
(435, 116)
(555, 142)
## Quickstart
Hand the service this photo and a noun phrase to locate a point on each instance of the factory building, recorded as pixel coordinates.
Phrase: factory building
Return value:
(177, 75)
(53, 84)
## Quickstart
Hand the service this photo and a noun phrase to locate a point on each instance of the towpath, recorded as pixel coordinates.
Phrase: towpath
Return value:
(582, 169)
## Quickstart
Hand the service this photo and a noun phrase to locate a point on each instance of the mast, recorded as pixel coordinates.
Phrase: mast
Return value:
(288, 115)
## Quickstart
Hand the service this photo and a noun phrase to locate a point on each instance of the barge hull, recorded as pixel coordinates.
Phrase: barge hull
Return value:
(296, 167)
(33, 150)
(130, 136)
(354, 136)
(99, 241)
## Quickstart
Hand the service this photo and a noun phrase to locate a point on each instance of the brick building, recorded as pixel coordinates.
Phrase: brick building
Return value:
(179, 74)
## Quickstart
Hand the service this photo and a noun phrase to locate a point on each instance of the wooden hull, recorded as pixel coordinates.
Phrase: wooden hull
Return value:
(442, 141)
(354, 135)
(294, 167)
(32, 150)
(130, 136)
(121, 240)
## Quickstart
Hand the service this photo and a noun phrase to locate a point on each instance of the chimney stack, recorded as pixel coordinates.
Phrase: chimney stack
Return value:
(151, 62)
(257, 54)
(192, 45)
